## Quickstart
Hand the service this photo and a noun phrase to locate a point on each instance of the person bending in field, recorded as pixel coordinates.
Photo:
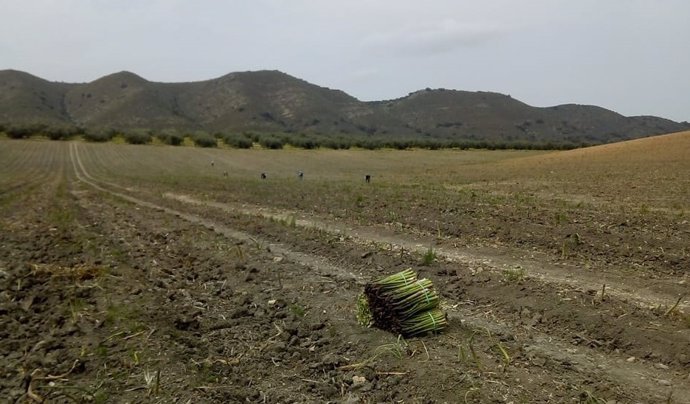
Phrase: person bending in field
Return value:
(367, 178)
(263, 176)
(300, 174)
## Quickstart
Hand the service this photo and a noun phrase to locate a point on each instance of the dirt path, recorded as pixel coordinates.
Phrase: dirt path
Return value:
(535, 265)
(540, 350)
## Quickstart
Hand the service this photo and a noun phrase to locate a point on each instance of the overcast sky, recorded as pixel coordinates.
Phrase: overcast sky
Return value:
(631, 56)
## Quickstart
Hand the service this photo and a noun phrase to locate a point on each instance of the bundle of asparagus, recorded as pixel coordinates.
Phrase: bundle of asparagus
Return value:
(402, 304)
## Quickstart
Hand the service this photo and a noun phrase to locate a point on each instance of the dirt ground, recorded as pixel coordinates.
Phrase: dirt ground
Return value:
(146, 274)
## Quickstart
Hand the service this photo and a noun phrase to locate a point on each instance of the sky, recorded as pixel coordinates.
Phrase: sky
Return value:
(630, 56)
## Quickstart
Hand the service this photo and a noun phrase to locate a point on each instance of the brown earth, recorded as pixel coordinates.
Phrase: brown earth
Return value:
(129, 279)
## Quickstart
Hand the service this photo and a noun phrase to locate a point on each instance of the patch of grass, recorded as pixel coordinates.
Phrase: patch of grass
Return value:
(239, 252)
(429, 256)
(560, 218)
(102, 351)
(297, 310)
(396, 349)
(288, 221)
(120, 313)
(75, 307)
(514, 274)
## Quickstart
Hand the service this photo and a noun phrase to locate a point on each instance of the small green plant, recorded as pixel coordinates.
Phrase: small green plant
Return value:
(644, 209)
(364, 316)
(673, 308)
(297, 310)
(560, 218)
(239, 252)
(475, 357)
(152, 381)
(505, 356)
(292, 221)
(102, 351)
(515, 274)
(359, 201)
(429, 256)
(75, 307)
(396, 349)
(135, 358)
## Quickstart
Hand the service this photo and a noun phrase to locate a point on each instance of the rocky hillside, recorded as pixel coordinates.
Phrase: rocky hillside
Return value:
(271, 101)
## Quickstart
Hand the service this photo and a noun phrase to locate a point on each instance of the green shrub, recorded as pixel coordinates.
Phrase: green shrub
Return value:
(170, 138)
(238, 141)
(137, 137)
(98, 135)
(62, 132)
(17, 132)
(203, 139)
(305, 142)
(24, 130)
(271, 142)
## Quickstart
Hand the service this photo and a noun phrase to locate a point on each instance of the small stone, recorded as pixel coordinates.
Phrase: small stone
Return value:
(661, 366)
(631, 359)
(663, 382)
(278, 259)
(358, 380)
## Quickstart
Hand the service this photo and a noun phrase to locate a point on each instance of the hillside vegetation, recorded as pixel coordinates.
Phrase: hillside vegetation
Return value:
(271, 105)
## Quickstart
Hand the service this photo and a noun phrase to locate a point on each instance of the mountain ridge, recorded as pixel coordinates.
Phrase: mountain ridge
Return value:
(276, 102)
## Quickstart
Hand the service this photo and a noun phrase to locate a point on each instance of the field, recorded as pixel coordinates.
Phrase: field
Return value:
(176, 274)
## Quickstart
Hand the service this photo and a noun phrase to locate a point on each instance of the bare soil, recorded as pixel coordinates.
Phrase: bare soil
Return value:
(130, 279)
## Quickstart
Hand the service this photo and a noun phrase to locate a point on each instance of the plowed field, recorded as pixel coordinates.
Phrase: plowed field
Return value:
(163, 274)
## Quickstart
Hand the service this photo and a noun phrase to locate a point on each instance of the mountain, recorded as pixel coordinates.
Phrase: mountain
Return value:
(272, 101)
(27, 98)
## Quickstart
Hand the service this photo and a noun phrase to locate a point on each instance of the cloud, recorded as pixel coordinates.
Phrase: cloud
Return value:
(433, 39)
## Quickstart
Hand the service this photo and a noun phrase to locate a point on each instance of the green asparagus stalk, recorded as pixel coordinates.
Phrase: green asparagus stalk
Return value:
(423, 323)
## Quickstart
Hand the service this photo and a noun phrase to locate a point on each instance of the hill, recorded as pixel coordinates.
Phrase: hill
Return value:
(272, 101)
(644, 173)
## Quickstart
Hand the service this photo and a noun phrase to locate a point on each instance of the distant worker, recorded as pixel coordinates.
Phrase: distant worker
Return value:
(263, 176)
(300, 174)
(213, 163)
(225, 173)
(367, 178)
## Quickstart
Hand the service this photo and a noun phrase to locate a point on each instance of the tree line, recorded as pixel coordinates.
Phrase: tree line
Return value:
(249, 139)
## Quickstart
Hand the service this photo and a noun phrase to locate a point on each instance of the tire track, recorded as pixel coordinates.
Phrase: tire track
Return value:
(537, 269)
